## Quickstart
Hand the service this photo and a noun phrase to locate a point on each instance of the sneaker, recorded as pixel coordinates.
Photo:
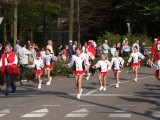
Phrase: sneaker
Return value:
(101, 88)
(50, 78)
(104, 88)
(78, 96)
(135, 80)
(117, 85)
(87, 78)
(39, 86)
(24, 80)
(48, 83)
(81, 91)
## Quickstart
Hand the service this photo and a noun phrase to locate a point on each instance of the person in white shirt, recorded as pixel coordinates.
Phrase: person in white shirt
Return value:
(134, 57)
(104, 66)
(48, 64)
(117, 63)
(113, 49)
(78, 63)
(38, 64)
(89, 58)
(135, 44)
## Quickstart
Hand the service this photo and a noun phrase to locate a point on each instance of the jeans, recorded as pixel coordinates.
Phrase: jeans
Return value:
(23, 68)
(10, 83)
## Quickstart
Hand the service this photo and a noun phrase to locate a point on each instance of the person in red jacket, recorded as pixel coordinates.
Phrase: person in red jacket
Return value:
(8, 60)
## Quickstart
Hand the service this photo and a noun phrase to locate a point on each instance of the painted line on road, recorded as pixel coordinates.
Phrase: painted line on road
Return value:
(125, 105)
(51, 105)
(120, 115)
(16, 105)
(4, 112)
(87, 105)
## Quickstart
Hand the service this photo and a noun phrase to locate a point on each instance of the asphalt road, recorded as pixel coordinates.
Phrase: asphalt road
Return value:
(133, 100)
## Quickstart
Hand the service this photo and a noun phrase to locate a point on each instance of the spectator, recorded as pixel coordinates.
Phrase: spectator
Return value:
(67, 51)
(42, 53)
(17, 46)
(70, 49)
(142, 48)
(32, 56)
(29, 44)
(50, 46)
(113, 50)
(74, 45)
(105, 47)
(64, 55)
(119, 49)
(1, 52)
(23, 55)
(126, 49)
(99, 51)
(59, 50)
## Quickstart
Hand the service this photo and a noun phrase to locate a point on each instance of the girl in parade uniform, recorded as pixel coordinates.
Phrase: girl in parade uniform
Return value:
(104, 66)
(48, 64)
(134, 57)
(117, 63)
(78, 63)
(89, 58)
(38, 64)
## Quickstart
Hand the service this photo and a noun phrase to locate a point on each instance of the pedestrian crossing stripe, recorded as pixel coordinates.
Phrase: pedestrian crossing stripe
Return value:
(120, 114)
(4, 112)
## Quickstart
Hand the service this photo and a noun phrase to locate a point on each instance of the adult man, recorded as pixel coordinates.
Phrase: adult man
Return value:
(70, 49)
(105, 47)
(142, 48)
(8, 60)
(23, 55)
(17, 46)
(74, 45)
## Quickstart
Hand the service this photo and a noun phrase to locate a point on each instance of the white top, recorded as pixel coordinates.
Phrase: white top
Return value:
(88, 56)
(38, 64)
(118, 62)
(113, 50)
(78, 60)
(135, 56)
(126, 48)
(104, 65)
(48, 59)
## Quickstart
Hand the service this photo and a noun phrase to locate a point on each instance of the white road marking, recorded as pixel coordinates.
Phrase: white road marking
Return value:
(1, 115)
(51, 105)
(5, 111)
(78, 113)
(120, 115)
(16, 105)
(126, 105)
(37, 113)
(87, 105)
(156, 115)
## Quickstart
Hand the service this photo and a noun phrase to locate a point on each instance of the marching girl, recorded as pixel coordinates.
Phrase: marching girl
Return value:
(104, 66)
(78, 63)
(48, 64)
(134, 57)
(38, 64)
(117, 63)
(89, 57)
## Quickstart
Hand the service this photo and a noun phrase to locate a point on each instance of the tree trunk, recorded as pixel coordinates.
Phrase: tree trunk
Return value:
(31, 35)
(15, 21)
(78, 22)
(12, 30)
(71, 20)
(5, 31)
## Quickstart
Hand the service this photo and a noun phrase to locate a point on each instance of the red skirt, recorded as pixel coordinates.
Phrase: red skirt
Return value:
(38, 71)
(136, 64)
(103, 73)
(117, 70)
(78, 72)
(48, 67)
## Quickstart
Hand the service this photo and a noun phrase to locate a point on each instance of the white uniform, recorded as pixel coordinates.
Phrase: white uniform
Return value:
(78, 60)
(88, 56)
(48, 61)
(38, 64)
(135, 57)
(104, 66)
(118, 63)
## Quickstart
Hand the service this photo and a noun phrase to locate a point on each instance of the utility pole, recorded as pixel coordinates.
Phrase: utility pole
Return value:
(71, 20)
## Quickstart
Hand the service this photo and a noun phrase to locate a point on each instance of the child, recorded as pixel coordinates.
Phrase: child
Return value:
(117, 63)
(134, 57)
(150, 62)
(78, 63)
(104, 66)
(49, 58)
(63, 55)
(113, 49)
(89, 57)
(38, 64)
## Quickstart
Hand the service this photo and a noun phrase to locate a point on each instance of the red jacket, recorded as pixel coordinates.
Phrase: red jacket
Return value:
(10, 59)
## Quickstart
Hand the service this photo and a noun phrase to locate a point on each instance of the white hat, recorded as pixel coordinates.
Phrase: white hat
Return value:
(155, 39)
(70, 41)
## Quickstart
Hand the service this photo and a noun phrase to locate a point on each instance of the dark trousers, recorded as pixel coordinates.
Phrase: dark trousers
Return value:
(23, 68)
(1, 79)
(10, 84)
